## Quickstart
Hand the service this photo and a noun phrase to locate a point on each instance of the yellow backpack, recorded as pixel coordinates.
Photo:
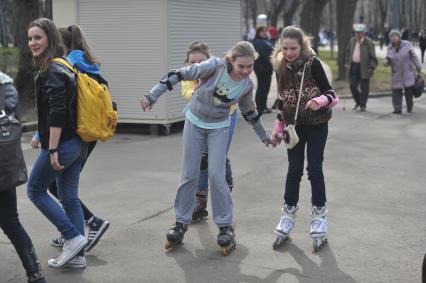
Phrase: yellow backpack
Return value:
(96, 118)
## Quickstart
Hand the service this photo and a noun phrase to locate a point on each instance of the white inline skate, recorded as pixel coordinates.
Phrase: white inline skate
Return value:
(319, 227)
(285, 225)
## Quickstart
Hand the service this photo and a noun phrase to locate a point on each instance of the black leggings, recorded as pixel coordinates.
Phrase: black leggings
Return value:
(54, 190)
(11, 226)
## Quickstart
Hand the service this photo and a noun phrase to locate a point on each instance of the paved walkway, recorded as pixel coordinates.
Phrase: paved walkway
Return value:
(374, 168)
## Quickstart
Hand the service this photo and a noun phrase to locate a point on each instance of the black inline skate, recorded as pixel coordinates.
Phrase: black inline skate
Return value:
(226, 239)
(200, 210)
(175, 235)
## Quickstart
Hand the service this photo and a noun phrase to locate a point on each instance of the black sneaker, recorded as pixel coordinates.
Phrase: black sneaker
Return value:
(58, 242)
(97, 227)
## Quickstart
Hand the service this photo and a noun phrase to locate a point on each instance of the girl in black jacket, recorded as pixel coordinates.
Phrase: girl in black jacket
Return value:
(62, 150)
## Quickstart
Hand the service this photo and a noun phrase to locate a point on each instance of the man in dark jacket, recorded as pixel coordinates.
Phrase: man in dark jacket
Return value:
(360, 61)
(263, 68)
(422, 43)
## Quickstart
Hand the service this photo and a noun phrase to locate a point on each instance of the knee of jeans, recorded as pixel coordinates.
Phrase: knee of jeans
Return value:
(11, 226)
(217, 179)
(315, 170)
(33, 192)
(295, 174)
(70, 203)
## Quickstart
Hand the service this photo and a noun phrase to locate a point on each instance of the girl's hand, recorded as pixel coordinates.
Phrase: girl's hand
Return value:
(35, 143)
(313, 105)
(277, 137)
(55, 162)
(269, 141)
(145, 104)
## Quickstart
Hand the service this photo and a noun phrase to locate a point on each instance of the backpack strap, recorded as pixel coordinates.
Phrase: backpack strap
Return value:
(65, 63)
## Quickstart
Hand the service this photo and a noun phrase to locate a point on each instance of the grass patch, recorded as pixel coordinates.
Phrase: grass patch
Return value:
(9, 60)
(380, 82)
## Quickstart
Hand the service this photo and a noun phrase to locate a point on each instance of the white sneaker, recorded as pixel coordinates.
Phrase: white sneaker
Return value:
(318, 222)
(287, 220)
(78, 262)
(70, 250)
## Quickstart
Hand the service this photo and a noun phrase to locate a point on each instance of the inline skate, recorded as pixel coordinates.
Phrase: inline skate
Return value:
(200, 210)
(319, 227)
(175, 235)
(285, 225)
(226, 239)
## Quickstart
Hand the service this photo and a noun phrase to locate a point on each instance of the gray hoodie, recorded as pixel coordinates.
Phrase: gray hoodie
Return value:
(202, 104)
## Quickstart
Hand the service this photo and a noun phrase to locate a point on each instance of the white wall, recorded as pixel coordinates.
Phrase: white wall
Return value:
(64, 12)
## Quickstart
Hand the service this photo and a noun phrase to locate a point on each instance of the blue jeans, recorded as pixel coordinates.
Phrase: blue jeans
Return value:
(314, 137)
(203, 180)
(71, 155)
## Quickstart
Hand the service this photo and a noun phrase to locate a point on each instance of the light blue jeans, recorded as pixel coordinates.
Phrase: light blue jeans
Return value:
(195, 140)
(69, 220)
(203, 180)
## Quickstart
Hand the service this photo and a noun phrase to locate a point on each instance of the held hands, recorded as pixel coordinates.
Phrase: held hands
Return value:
(269, 141)
(54, 161)
(145, 104)
(312, 105)
(279, 137)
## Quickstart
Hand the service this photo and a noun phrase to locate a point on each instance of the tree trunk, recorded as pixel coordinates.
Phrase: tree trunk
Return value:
(27, 11)
(345, 11)
(3, 26)
(289, 13)
(253, 8)
(276, 10)
(311, 21)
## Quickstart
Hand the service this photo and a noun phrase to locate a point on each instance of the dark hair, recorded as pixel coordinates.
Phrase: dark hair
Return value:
(292, 32)
(73, 38)
(259, 29)
(197, 46)
(54, 43)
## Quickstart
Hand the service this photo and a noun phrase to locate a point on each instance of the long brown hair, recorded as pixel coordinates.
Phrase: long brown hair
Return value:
(54, 43)
(291, 32)
(73, 38)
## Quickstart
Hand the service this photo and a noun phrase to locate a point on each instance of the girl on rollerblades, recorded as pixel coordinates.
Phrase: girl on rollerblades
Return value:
(294, 61)
(198, 52)
(224, 82)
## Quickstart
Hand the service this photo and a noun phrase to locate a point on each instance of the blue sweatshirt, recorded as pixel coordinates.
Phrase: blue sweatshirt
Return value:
(77, 58)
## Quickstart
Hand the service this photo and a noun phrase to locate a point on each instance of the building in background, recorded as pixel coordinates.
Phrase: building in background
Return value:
(138, 41)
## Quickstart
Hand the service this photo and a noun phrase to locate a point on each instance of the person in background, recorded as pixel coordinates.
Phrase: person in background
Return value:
(422, 43)
(361, 61)
(401, 56)
(263, 68)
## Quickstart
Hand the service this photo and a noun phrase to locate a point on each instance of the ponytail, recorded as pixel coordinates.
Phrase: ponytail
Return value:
(73, 38)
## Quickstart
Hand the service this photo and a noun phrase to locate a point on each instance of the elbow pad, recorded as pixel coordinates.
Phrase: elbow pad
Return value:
(250, 118)
(166, 79)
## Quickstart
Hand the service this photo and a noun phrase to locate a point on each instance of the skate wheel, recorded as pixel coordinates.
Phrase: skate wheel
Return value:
(226, 251)
(168, 245)
(317, 245)
(277, 243)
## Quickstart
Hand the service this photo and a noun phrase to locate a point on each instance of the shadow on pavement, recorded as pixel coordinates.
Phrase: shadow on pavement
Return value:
(326, 271)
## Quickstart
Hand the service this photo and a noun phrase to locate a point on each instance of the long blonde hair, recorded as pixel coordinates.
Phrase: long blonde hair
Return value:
(242, 48)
